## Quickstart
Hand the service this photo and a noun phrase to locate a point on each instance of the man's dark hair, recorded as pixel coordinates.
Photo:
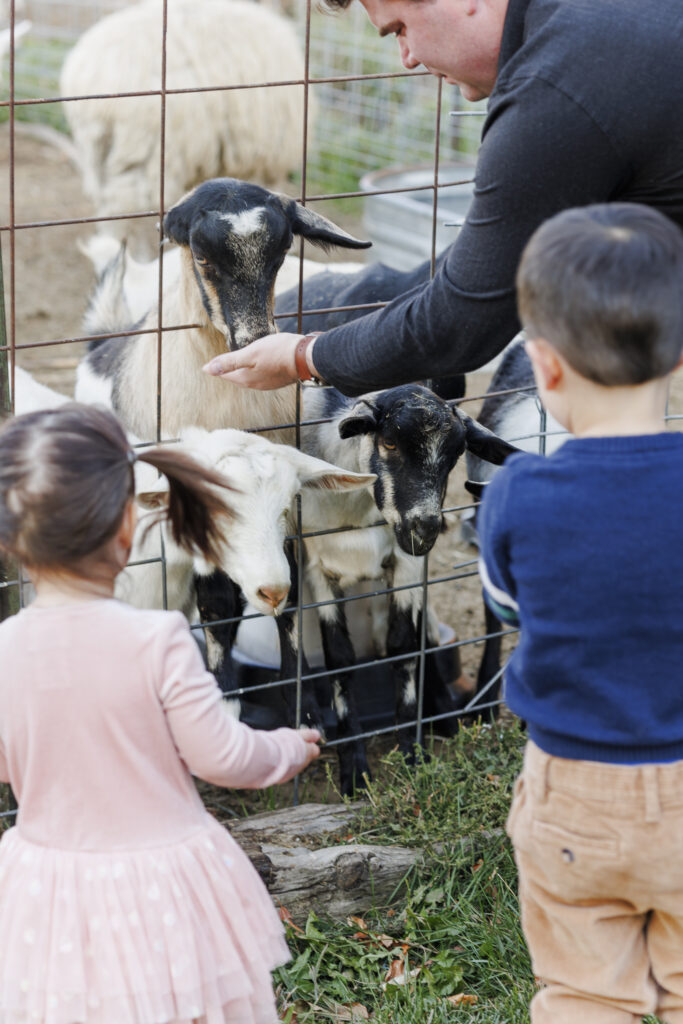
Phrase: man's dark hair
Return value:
(604, 285)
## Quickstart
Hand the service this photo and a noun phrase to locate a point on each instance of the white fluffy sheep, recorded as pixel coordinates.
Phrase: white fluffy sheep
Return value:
(253, 133)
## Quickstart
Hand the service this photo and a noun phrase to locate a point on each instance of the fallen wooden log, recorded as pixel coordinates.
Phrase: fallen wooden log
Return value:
(306, 866)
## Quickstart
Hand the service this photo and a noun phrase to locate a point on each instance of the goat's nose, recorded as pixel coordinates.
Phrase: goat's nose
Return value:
(426, 527)
(273, 596)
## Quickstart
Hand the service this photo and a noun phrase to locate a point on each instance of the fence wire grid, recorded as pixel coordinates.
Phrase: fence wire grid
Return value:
(370, 116)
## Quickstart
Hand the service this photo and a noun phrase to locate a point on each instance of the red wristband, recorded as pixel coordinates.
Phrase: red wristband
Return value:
(302, 370)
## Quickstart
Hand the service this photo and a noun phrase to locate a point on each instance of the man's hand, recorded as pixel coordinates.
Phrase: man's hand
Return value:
(264, 364)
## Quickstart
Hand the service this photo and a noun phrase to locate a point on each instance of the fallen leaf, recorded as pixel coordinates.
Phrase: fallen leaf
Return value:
(357, 922)
(396, 975)
(287, 919)
(351, 1011)
(462, 999)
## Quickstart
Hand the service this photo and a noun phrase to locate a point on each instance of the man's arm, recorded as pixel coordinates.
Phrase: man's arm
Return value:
(540, 154)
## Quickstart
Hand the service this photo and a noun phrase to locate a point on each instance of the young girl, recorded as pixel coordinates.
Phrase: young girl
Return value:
(122, 901)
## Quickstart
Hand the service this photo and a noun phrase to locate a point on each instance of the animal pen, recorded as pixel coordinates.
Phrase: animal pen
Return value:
(371, 135)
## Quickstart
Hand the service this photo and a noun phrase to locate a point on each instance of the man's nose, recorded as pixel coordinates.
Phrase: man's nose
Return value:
(407, 58)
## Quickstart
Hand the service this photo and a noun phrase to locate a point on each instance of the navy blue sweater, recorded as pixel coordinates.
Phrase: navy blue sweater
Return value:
(585, 549)
(587, 108)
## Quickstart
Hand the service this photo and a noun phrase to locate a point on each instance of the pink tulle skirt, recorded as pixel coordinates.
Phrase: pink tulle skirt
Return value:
(169, 934)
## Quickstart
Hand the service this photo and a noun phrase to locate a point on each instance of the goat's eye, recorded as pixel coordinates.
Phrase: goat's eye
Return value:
(201, 260)
(389, 447)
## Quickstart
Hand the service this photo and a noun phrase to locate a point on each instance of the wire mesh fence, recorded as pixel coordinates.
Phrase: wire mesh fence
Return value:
(361, 114)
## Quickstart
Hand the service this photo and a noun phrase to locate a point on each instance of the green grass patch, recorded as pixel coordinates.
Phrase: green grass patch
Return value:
(451, 945)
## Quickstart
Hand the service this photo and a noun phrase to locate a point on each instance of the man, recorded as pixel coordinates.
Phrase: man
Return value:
(586, 103)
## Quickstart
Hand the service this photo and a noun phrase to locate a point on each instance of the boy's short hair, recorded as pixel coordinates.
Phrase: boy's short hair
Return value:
(603, 284)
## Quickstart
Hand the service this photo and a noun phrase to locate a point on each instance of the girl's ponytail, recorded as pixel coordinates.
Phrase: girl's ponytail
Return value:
(66, 476)
(197, 511)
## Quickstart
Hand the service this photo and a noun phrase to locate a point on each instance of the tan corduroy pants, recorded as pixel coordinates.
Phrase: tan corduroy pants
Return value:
(599, 848)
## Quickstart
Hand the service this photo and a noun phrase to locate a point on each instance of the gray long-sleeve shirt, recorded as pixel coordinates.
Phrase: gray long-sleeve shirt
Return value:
(587, 107)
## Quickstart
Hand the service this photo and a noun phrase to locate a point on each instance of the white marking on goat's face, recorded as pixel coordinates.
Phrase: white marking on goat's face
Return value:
(247, 222)
(211, 300)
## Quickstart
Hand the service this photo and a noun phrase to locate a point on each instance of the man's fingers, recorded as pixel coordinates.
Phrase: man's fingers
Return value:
(220, 365)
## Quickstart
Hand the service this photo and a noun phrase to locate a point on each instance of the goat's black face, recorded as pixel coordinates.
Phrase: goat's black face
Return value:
(411, 440)
(238, 235)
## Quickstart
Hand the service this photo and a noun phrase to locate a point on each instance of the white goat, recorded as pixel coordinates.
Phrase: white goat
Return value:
(140, 283)
(256, 562)
(233, 237)
(254, 133)
(31, 396)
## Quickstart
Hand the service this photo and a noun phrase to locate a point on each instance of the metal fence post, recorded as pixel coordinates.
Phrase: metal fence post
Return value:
(9, 595)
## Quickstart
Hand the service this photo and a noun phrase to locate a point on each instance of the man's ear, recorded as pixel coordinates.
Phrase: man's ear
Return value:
(547, 366)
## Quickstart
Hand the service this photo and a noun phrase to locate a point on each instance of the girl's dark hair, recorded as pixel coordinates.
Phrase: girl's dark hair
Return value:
(604, 285)
(66, 476)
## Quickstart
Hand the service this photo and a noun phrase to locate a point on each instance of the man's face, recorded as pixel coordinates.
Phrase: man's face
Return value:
(456, 39)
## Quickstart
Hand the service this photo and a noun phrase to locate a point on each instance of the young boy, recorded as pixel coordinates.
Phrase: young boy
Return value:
(585, 550)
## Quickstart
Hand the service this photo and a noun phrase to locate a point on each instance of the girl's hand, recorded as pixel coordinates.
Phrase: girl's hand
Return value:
(312, 738)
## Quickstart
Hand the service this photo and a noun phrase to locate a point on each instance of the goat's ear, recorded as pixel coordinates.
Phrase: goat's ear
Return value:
(178, 220)
(484, 443)
(476, 488)
(318, 229)
(333, 479)
(152, 501)
(361, 419)
(317, 474)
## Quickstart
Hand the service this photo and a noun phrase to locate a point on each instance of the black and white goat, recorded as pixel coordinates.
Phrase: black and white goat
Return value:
(233, 237)
(256, 562)
(511, 410)
(410, 439)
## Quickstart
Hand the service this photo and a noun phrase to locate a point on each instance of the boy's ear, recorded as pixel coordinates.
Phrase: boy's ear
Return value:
(547, 366)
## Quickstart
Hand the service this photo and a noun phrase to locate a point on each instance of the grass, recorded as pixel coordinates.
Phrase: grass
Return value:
(451, 945)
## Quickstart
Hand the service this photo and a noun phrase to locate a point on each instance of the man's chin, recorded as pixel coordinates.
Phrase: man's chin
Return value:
(471, 93)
